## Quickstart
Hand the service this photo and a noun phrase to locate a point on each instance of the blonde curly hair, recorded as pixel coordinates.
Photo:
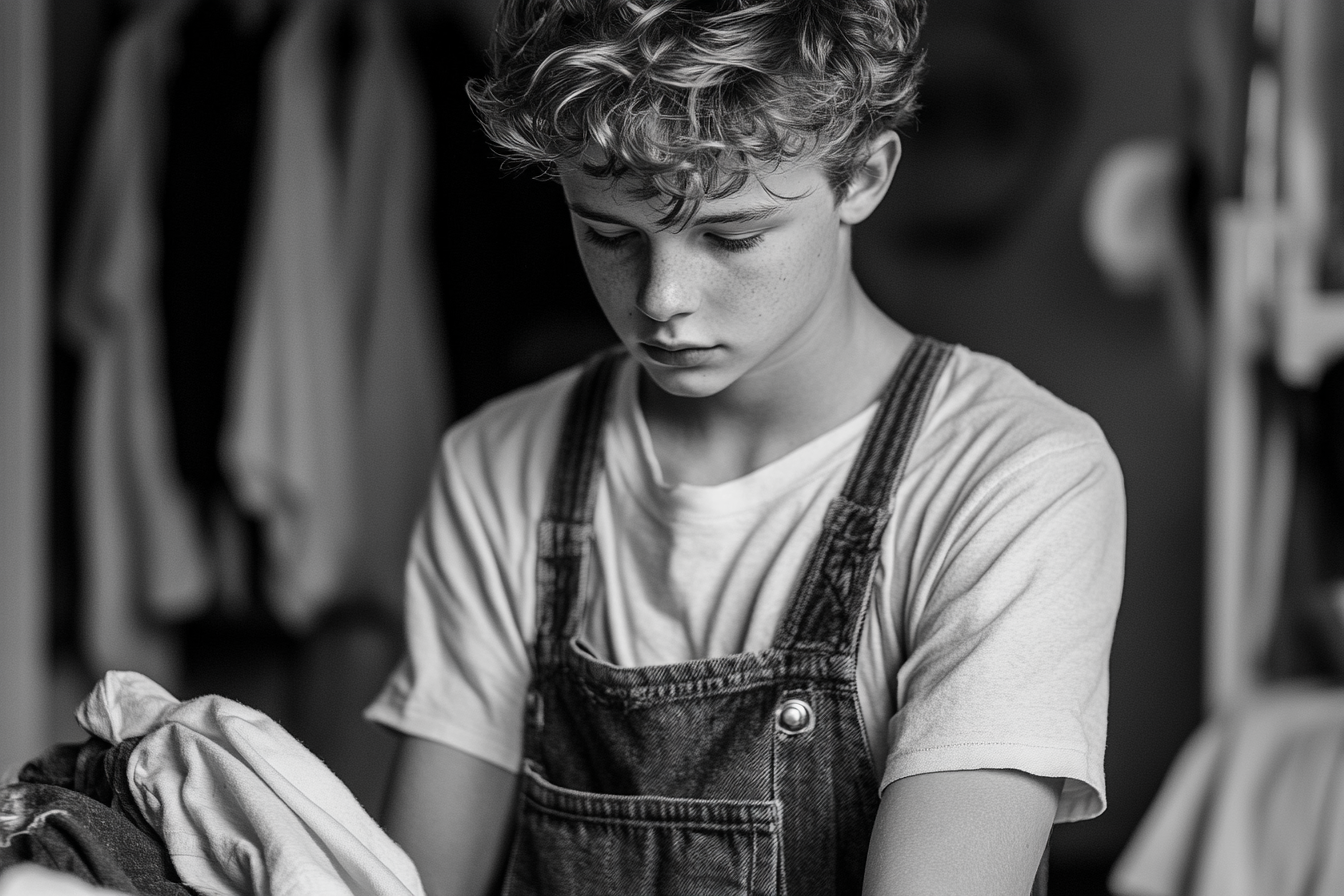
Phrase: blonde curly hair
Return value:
(688, 98)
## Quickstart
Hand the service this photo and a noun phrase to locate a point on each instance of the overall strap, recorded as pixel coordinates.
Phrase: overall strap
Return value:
(831, 602)
(567, 522)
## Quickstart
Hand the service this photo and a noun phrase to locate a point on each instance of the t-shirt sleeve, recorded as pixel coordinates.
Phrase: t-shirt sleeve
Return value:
(464, 678)
(1010, 626)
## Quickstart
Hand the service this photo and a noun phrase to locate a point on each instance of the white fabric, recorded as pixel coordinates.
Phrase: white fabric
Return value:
(403, 385)
(144, 553)
(339, 384)
(123, 705)
(242, 806)
(29, 879)
(1001, 570)
(1254, 804)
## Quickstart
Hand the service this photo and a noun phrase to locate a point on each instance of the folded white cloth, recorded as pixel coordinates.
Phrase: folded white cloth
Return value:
(124, 704)
(243, 807)
(1253, 805)
(29, 879)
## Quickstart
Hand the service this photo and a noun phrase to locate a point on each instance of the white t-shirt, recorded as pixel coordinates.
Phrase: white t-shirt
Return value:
(988, 635)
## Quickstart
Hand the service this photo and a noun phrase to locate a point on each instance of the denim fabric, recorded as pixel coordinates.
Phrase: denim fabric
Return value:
(95, 768)
(693, 778)
(72, 811)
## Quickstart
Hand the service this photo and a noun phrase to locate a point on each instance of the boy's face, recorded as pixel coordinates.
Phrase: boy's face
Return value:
(751, 281)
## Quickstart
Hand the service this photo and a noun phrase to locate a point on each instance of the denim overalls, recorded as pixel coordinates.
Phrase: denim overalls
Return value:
(744, 774)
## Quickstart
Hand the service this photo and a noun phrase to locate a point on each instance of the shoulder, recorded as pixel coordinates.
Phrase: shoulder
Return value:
(988, 421)
(511, 432)
(494, 465)
(999, 462)
(984, 394)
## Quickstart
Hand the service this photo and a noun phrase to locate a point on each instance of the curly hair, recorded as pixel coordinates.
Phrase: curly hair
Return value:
(689, 97)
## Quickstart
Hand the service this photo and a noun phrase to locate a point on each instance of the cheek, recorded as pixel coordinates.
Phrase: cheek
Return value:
(776, 284)
(608, 279)
(814, 260)
(597, 264)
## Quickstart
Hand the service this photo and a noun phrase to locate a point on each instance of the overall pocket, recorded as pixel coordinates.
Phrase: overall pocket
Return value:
(571, 843)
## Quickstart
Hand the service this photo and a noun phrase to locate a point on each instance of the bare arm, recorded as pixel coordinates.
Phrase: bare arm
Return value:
(453, 814)
(978, 833)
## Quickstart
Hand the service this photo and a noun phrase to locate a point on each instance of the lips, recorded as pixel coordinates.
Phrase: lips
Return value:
(680, 347)
(677, 355)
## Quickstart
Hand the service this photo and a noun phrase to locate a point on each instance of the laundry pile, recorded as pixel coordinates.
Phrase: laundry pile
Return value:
(174, 798)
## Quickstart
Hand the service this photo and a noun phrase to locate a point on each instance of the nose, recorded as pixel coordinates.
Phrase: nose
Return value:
(671, 285)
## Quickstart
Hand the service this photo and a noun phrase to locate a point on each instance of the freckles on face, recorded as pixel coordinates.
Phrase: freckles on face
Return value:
(746, 275)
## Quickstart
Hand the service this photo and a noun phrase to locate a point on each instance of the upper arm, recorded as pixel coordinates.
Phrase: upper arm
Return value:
(470, 623)
(1011, 624)
(453, 814)
(980, 832)
(469, 605)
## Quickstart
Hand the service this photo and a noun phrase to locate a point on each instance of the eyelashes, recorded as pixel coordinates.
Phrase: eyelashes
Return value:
(606, 242)
(726, 244)
(739, 244)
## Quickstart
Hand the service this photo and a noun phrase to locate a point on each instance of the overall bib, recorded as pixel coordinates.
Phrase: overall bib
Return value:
(744, 774)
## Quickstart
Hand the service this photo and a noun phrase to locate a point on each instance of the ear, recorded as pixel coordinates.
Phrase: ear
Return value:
(870, 182)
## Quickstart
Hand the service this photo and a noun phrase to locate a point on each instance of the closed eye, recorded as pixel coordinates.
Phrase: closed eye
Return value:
(605, 241)
(736, 244)
(719, 241)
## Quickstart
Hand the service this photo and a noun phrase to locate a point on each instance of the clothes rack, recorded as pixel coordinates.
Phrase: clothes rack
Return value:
(1269, 308)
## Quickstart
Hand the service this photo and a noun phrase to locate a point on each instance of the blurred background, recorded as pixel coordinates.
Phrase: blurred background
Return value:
(255, 255)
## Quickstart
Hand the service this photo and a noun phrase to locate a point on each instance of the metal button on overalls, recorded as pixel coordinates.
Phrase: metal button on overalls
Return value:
(795, 716)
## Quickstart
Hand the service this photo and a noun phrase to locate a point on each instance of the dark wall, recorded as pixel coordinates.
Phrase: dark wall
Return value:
(994, 259)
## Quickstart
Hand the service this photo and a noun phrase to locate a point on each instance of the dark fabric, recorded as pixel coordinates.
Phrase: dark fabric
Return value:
(746, 774)
(1308, 636)
(73, 811)
(62, 764)
(96, 769)
(213, 108)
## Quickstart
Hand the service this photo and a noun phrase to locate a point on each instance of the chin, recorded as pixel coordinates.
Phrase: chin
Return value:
(694, 383)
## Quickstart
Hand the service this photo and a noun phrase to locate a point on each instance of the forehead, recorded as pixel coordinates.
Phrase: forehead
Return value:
(791, 185)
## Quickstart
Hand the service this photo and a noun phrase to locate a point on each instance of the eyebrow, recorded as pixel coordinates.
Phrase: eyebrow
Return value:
(741, 216)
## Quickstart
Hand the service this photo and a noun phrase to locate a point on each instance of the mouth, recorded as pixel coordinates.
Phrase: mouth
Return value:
(677, 355)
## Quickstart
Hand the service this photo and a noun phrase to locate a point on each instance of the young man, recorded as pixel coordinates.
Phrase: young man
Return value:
(778, 597)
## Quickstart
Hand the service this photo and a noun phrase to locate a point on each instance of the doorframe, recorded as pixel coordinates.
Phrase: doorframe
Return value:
(24, 397)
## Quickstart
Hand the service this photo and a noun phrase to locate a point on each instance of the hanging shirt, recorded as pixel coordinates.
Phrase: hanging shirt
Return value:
(144, 554)
(339, 385)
